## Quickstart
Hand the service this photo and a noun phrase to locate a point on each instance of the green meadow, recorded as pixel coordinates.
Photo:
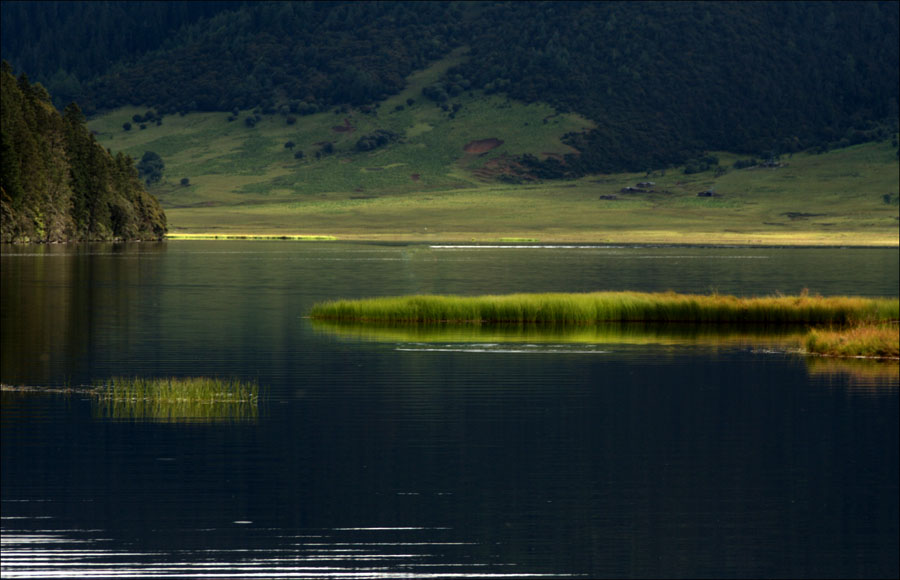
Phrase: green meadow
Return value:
(440, 180)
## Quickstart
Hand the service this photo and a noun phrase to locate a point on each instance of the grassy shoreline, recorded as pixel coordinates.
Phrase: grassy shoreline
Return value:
(293, 237)
(813, 239)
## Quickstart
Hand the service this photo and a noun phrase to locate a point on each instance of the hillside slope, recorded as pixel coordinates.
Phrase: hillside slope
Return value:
(404, 144)
(662, 82)
(439, 182)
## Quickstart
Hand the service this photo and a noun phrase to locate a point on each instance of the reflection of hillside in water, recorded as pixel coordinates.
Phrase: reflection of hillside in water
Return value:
(175, 411)
(782, 337)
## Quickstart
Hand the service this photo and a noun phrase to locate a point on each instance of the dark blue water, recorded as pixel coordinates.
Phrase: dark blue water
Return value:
(389, 454)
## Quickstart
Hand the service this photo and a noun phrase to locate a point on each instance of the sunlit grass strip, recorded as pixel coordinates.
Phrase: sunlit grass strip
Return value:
(297, 237)
(592, 308)
(172, 389)
(868, 340)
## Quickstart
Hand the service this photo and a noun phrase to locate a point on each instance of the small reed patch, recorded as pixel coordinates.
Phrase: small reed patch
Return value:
(173, 389)
(168, 399)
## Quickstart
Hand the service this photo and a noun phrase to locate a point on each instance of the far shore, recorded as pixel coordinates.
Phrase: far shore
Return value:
(811, 239)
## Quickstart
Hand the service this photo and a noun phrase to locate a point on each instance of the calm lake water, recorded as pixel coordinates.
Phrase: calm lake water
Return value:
(430, 453)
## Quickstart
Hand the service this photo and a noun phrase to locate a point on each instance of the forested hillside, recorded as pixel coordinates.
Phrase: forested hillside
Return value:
(667, 80)
(57, 183)
(66, 45)
(663, 81)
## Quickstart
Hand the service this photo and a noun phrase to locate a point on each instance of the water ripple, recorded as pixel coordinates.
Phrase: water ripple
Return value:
(364, 552)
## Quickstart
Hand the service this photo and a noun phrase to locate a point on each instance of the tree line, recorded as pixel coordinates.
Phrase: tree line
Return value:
(662, 81)
(666, 81)
(57, 183)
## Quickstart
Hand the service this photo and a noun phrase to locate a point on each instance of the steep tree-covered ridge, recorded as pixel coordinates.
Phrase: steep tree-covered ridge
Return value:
(665, 81)
(662, 81)
(57, 183)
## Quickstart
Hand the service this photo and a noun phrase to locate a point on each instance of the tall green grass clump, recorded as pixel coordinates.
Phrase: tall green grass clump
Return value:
(597, 307)
(172, 390)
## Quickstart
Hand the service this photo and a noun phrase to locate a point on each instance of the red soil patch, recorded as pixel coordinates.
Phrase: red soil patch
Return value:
(415, 176)
(482, 146)
(345, 128)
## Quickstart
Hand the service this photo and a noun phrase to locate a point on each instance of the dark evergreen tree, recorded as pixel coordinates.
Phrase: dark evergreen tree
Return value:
(151, 167)
(57, 183)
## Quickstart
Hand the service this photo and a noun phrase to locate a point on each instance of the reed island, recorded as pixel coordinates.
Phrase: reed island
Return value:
(838, 325)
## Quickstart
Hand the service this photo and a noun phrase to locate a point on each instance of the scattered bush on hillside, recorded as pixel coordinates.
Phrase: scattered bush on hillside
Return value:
(700, 164)
(550, 168)
(744, 163)
(379, 138)
(327, 148)
(150, 168)
(436, 93)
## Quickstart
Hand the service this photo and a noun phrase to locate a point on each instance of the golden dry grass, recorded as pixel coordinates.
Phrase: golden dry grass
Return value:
(868, 340)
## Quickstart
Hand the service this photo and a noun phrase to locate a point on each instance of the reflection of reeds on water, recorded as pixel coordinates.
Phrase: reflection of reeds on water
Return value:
(635, 333)
(859, 373)
(177, 399)
(175, 411)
